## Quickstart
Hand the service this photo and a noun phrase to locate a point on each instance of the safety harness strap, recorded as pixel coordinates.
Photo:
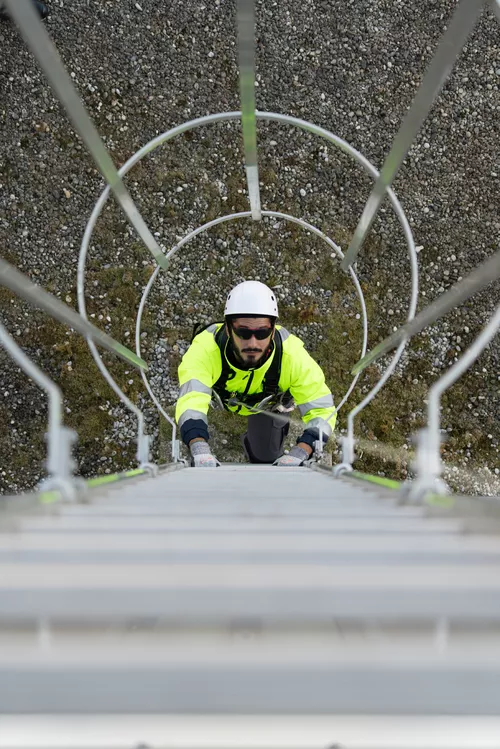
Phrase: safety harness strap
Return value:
(270, 385)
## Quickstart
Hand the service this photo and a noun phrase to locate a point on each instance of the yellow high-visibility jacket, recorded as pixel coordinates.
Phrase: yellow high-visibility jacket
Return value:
(201, 367)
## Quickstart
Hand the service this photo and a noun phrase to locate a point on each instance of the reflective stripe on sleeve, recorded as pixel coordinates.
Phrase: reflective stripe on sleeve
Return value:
(191, 414)
(194, 385)
(326, 401)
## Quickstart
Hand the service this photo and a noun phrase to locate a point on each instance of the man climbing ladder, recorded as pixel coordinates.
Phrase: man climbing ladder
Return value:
(248, 363)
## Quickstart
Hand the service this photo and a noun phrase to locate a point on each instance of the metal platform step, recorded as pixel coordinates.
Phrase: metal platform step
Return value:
(247, 591)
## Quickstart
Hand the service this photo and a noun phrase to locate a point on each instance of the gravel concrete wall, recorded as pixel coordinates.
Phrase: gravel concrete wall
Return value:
(352, 67)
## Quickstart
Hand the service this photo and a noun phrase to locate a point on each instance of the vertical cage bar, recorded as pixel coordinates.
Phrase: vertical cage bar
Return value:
(462, 22)
(17, 282)
(477, 279)
(246, 48)
(44, 50)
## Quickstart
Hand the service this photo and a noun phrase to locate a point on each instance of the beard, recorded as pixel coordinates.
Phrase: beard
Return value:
(249, 359)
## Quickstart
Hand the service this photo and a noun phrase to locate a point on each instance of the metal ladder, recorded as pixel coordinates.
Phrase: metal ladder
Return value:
(171, 611)
(245, 606)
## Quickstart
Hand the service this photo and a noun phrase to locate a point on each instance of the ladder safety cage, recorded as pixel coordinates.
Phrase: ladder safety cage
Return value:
(266, 116)
(322, 608)
(462, 22)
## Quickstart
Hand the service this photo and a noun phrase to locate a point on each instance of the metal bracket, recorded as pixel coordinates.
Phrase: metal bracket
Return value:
(176, 451)
(427, 466)
(341, 468)
(319, 446)
(61, 465)
(143, 441)
(348, 456)
(151, 468)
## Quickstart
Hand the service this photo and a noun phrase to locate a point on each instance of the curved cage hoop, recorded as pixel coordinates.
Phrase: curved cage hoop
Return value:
(248, 214)
(272, 117)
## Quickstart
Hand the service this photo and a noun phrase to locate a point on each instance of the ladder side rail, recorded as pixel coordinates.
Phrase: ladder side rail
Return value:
(59, 439)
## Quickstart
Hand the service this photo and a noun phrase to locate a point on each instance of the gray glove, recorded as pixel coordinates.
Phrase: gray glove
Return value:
(202, 457)
(295, 457)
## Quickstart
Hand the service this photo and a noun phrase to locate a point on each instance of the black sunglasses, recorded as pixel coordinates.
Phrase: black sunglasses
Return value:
(246, 333)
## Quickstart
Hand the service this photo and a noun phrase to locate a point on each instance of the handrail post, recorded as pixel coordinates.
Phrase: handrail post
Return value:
(348, 455)
(427, 464)
(319, 445)
(428, 461)
(60, 440)
(176, 448)
(60, 463)
(143, 444)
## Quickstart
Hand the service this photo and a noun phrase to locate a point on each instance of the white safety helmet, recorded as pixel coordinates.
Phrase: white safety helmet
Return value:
(251, 298)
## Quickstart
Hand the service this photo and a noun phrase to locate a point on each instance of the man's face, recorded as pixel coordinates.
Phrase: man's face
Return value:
(250, 351)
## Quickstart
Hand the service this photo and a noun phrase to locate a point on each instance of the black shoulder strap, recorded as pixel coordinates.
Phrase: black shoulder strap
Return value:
(198, 328)
(270, 386)
(221, 339)
(272, 376)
